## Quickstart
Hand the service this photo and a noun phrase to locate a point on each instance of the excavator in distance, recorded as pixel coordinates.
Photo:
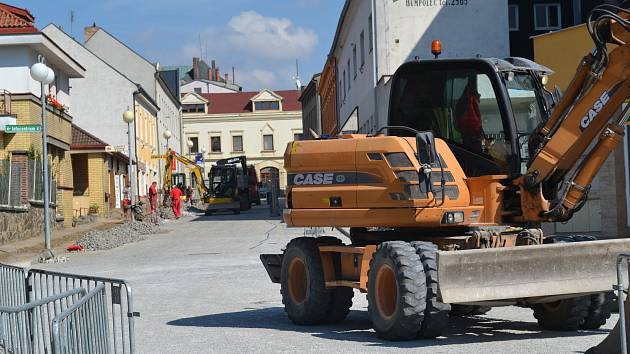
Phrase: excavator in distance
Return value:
(444, 205)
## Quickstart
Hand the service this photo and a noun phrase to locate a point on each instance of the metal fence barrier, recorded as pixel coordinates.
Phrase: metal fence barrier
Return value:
(82, 328)
(619, 287)
(26, 328)
(19, 287)
(12, 286)
(118, 297)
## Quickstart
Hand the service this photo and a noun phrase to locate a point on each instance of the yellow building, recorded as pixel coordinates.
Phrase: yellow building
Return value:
(146, 143)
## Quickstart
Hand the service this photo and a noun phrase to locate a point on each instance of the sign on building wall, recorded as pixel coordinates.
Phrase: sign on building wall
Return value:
(117, 193)
(31, 128)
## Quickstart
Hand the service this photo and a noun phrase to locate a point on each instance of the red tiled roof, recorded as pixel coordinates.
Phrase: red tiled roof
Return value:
(82, 140)
(239, 102)
(15, 20)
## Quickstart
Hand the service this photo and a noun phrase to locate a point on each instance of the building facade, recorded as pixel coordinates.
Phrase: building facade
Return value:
(529, 18)
(258, 125)
(146, 74)
(102, 96)
(374, 38)
(21, 46)
(311, 108)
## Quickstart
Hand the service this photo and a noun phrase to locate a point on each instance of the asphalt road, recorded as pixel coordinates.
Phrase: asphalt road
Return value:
(200, 288)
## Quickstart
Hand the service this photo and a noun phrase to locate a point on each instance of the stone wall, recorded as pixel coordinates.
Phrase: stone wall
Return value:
(23, 223)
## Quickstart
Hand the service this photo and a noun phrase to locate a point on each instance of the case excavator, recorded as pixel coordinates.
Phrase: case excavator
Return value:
(444, 205)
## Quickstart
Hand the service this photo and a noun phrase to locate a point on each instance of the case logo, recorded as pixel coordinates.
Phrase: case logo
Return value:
(593, 112)
(313, 178)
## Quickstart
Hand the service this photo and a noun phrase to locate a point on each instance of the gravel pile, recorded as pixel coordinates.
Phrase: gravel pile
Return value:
(117, 236)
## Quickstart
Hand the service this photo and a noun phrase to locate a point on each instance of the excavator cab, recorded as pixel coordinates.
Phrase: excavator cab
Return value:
(484, 109)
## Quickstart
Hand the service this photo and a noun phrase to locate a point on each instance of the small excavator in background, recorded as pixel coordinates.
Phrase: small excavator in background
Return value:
(233, 186)
(445, 210)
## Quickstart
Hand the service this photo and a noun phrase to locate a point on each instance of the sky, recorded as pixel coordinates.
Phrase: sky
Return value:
(261, 39)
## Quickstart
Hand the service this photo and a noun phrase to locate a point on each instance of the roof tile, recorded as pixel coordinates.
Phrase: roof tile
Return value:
(239, 102)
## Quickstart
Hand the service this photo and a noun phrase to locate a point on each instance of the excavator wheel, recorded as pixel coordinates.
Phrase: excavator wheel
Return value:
(436, 315)
(341, 296)
(599, 311)
(302, 285)
(563, 315)
(396, 291)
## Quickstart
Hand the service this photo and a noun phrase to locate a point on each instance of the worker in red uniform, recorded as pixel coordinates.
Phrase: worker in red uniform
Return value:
(176, 200)
(153, 199)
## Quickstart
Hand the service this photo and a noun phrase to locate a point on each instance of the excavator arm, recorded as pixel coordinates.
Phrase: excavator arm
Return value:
(171, 156)
(588, 122)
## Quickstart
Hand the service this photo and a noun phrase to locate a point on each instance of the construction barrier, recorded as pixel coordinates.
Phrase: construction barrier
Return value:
(19, 287)
(12, 286)
(119, 300)
(25, 329)
(82, 327)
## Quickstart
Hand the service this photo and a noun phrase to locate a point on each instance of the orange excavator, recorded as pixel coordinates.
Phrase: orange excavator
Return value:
(444, 205)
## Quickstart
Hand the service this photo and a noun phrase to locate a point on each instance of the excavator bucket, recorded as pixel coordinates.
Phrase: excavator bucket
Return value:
(541, 271)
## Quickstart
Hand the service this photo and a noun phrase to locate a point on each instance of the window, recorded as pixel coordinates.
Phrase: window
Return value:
(268, 142)
(362, 44)
(237, 143)
(349, 82)
(547, 17)
(197, 89)
(513, 17)
(297, 136)
(194, 108)
(354, 60)
(459, 106)
(195, 145)
(370, 33)
(215, 144)
(267, 105)
(344, 85)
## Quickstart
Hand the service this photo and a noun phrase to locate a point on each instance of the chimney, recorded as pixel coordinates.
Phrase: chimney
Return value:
(217, 75)
(195, 68)
(88, 32)
(234, 75)
(227, 78)
(214, 67)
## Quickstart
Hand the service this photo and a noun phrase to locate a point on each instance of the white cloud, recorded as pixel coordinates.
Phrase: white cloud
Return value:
(269, 37)
(263, 49)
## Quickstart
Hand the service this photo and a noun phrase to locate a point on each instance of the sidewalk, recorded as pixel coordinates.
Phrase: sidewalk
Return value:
(23, 252)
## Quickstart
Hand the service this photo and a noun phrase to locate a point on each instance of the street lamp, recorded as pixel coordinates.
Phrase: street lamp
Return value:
(128, 118)
(45, 75)
(190, 145)
(167, 135)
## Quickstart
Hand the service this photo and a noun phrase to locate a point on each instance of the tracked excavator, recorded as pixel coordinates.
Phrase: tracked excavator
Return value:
(171, 179)
(444, 205)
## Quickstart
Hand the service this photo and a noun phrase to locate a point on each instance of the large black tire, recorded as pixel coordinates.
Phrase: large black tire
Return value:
(563, 315)
(436, 314)
(599, 311)
(396, 291)
(302, 285)
(340, 297)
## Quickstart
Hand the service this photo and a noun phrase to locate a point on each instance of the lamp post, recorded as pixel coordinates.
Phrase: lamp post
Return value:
(45, 75)
(167, 135)
(190, 145)
(128, 118)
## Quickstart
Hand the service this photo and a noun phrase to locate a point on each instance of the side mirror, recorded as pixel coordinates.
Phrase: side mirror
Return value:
(425, 147)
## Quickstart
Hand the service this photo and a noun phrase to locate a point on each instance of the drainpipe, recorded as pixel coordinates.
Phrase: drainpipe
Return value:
(374, 64)
(135, 142)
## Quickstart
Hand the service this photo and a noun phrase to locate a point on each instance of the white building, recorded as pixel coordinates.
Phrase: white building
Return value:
(207, 86)
(374, 38)
(258, 125)
(145, 73)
